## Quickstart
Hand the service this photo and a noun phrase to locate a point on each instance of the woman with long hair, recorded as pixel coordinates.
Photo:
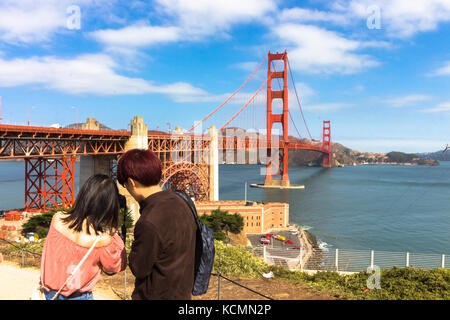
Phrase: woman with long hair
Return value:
(87, 233)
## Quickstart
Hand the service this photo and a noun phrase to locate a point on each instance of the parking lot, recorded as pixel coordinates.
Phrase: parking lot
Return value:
(255, 240)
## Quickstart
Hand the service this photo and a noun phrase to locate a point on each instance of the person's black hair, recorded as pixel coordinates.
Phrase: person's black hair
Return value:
(97, 203)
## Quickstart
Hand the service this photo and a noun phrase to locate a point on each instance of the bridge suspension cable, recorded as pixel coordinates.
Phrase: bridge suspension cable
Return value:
(290, 115)
(298, 100)
(209, 115)
(251, 99)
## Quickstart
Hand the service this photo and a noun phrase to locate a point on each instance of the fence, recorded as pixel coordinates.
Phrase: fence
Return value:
(348, 260)
(341, 260)
(18, 253)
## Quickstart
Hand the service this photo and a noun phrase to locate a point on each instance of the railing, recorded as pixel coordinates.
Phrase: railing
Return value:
(348, 260)
(341, 260)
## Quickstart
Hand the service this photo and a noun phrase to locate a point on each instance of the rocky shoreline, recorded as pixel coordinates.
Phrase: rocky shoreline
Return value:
(313, 254)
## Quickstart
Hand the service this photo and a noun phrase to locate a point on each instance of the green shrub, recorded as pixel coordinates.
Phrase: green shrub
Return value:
(237, 261)
(129, 220)
(396, 284)
(221, 222)
(40, 223)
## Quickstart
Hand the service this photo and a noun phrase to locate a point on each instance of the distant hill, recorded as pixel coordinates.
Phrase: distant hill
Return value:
(438, 155)
(343, 156)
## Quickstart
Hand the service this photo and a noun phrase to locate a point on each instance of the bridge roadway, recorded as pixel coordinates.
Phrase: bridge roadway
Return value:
(27, 141)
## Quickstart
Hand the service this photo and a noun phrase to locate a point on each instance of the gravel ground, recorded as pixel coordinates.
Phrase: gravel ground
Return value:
(17, 283)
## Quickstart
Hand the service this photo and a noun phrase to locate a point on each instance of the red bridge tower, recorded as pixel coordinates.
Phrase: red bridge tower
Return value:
(281, 168)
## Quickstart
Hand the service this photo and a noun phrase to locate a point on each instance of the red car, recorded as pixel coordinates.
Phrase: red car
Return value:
(265, 241)
(268, 235)
(289, 242)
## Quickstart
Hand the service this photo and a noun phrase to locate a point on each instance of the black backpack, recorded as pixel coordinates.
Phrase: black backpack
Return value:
(204, 251)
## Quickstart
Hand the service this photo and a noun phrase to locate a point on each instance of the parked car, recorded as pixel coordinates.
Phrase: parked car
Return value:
(293, 231)
(265, 241)
(280, 238)
(289, 242)
(269, 235)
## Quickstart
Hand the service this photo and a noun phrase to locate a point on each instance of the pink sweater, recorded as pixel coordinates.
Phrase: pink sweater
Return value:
(61, 255)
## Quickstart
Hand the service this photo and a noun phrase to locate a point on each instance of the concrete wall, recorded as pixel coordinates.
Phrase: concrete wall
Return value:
(258, 217)
(90, 165)
(138, 140)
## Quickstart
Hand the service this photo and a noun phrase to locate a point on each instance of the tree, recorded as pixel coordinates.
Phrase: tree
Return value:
(129, 220)
(40, 223)
(221, 222)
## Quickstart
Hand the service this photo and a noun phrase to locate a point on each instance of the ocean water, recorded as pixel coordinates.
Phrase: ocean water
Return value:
(12, 184)
(382, 207)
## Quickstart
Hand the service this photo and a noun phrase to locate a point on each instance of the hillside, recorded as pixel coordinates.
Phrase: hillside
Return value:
(346, 156)
(438, 155)
(341, 154)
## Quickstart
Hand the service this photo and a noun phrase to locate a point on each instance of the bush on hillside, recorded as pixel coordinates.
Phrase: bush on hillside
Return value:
(40, 223)
(221, 222)
(396, 284)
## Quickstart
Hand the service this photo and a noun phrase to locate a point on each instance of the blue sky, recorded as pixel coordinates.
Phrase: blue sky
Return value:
(379, 70)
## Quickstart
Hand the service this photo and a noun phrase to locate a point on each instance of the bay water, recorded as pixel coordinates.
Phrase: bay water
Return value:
(376, 207)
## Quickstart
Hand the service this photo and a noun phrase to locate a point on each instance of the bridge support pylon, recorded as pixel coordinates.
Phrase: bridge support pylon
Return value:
(49, 183)
(326, 144)
(137, 140)
(281, 168)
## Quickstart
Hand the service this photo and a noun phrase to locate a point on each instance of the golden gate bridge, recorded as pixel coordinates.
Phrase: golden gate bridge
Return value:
(189, 157)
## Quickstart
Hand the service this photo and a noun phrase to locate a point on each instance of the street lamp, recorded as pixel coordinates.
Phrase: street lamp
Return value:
(28, 115)
(166, 123)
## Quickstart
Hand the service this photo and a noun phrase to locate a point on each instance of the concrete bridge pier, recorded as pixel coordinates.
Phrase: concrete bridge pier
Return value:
(95, 164)
(138, 140)
(90, 165)
(214, 165)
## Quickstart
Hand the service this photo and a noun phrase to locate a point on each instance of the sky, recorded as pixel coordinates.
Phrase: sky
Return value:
(379, 70)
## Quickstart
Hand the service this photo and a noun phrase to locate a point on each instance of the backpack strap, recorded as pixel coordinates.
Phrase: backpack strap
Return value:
(191, 205)
(78, 266)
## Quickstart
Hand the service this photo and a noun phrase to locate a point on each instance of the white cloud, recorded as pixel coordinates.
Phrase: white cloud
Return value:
(30, 21)
(440, 108)
(316, 50)
(398, 18)
(137, 35)
(86, 74)
(249, 66)
(401, 18)
(187, 20)
(302, 15)
(409, 100)
(443, 71)
(200, 18)
(326, 107)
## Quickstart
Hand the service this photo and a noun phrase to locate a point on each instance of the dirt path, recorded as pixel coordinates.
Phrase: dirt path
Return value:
(272, 288)
(17, 283)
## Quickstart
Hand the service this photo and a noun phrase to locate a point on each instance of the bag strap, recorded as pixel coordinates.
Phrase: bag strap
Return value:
(78, 266)
(191, 205)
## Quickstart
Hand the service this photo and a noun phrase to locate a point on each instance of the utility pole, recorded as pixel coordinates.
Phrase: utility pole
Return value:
(28, 117)
(245, 191)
